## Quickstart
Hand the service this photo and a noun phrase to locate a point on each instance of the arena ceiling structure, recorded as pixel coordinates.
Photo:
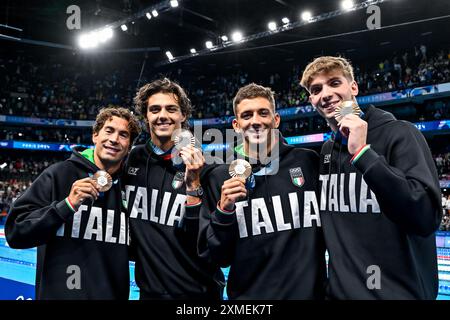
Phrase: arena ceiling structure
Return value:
(183, 25)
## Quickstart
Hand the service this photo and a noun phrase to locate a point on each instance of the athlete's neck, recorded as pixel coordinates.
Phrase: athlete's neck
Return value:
(111, 168)
(260, 151)
(333, 124)
(162, 143)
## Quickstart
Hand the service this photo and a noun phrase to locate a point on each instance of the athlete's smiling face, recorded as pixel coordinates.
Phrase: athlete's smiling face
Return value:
(255, 118)
(327, 90)
(164, 115)
(112, 142)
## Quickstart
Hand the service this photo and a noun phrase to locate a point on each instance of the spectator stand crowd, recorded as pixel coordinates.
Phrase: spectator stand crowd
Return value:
(445, 223)
(18, 172)
(10, 190)
(54, 90)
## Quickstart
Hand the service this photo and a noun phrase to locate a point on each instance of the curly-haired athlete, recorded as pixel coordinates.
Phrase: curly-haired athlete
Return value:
(81, 233)
(164, 199)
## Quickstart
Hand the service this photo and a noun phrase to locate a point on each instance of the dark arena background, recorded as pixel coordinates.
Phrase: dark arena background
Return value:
(61, 61)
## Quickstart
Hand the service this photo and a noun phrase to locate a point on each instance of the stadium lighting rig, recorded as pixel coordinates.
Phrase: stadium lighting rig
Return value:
(8, 27)
(305, 17)
(93, 39)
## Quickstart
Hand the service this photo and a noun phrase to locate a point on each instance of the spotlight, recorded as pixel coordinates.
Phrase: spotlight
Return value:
(224, 38)
(148, 15)
(306, 16)
(3, 165)
(193, 51)
(169, 55)
(105, 34)
(208, 44)
(236, 36)
(272, 25)
(347, 5)
(173, 3)
(88, 40)
(155, 13)
(83, 41)
(124, 27)
(285, 20)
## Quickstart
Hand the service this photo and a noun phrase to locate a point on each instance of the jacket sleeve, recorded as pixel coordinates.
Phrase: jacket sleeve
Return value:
(322, 279)
(191, 217)
(406, 188)
(34, 218)
(218, 230)
(132, 249)
(123, 182)
(192, 212)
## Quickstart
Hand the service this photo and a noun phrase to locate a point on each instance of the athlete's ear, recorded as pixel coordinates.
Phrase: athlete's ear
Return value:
(354, 88)
(277, 120)
(235, 125)
(94, 137)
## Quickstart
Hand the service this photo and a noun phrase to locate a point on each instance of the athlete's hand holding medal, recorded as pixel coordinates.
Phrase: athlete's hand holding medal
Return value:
(351, 125)
(234, 189)
(89, 188)
(186, 153)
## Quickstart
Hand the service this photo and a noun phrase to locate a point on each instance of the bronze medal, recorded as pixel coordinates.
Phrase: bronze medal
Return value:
(240, 168)
(345, 108)
(103, 179)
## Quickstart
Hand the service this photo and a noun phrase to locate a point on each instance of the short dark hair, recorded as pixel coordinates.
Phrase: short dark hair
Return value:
(163, 86)
(252, 91)
(107, 113)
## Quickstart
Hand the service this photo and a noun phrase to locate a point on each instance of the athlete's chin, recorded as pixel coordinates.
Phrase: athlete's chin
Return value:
(111, 160)
(163, 133)
(257, 140)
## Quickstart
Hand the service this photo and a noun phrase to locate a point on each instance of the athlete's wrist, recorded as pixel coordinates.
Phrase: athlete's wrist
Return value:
(358, 154)
(225, 210)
